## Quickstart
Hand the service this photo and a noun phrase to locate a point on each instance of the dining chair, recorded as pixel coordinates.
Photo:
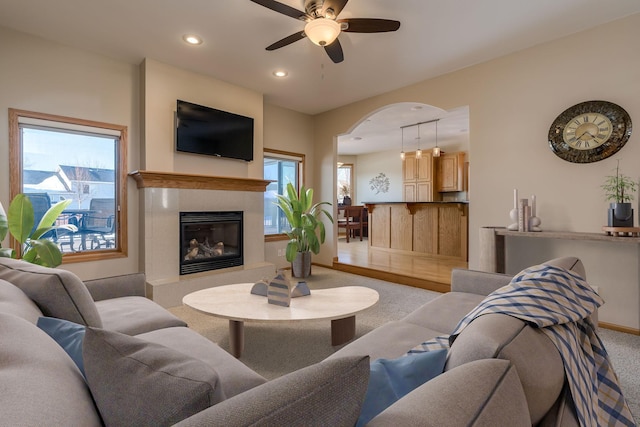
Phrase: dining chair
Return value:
(352, 220)
(99, 223)
(41, 203)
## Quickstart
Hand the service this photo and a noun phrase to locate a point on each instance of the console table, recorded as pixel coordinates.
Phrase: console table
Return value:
(492, 243)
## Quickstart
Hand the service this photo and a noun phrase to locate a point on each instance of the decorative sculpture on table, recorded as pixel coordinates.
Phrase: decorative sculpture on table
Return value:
(523, 215)
(278, 291)
(261, 287)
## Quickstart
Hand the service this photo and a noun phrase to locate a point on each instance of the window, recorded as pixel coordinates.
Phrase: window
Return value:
(282, 168)
(344, 180)
(55, 158)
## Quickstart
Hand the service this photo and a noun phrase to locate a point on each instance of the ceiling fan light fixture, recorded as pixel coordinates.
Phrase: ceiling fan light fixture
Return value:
(322, 31)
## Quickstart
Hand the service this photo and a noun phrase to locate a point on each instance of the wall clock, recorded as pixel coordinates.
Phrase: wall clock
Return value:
(589, 131)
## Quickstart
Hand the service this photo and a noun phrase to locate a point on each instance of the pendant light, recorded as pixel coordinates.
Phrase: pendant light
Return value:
(436, 149)
(418, 151)
(402, 149)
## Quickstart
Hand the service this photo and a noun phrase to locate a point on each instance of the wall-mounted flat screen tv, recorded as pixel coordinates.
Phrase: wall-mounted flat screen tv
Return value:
(205, 130)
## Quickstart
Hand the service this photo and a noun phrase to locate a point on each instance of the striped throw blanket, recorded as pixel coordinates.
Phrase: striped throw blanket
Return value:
(560, 302)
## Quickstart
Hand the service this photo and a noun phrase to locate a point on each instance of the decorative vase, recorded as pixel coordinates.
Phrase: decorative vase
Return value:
(279, 291)
(346, 201)
(620, 215)
(301, 265)
(301, 289)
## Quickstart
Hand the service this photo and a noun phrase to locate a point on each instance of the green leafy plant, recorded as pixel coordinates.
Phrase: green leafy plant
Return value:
(304, 218)
(19, 222)
(619, 188)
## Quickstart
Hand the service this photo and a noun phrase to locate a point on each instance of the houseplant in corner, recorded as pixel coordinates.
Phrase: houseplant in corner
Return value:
(305, 220)
(19, 222)
(619, 189)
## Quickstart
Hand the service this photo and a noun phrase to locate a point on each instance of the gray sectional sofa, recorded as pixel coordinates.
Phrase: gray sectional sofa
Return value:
(144, 366)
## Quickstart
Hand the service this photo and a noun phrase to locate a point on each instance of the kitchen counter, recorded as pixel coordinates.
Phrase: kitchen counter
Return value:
(427, 228)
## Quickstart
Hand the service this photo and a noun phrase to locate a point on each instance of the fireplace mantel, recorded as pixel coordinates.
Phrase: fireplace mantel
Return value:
(154, 179)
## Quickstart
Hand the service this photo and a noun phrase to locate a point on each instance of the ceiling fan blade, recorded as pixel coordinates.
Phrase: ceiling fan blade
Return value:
(369, 25)
(335, 5)
(287, 40)
(282, 8)
(334, 50)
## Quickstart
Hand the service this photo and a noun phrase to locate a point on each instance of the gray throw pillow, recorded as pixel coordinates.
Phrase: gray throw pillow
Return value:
(58, 293)
(139, 383)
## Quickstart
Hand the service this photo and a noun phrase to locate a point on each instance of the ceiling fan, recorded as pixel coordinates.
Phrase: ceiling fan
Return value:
(322, 26)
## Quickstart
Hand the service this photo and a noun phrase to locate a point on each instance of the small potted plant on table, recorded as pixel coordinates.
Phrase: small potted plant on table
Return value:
(619, 189)
(305, 222)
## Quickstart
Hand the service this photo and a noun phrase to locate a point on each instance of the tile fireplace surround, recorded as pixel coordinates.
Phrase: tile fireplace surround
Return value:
(168, 194)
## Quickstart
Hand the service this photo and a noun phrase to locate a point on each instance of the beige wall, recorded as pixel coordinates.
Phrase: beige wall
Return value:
(369, 166)
(163, 85)
(46, 77)
(287, 130)
(512, 102)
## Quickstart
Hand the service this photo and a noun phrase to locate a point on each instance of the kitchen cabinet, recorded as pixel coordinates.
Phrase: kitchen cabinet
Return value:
(418, 177)
(438, 229)
(451, 172)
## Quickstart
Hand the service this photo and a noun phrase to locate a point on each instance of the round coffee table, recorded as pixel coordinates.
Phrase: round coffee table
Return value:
(237, 303)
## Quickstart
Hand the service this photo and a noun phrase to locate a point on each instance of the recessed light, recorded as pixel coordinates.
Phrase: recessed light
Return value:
(356, 138)
(280, 73)
(192, 39)
(416, 107)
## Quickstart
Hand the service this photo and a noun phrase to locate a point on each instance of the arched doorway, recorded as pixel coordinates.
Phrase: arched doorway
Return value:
(372, 150)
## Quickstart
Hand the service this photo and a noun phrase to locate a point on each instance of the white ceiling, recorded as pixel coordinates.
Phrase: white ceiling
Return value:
(435, 37)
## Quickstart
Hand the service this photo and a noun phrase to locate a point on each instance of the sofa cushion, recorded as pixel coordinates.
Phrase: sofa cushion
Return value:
(33, 372)
(14, 301)
(444, 312)
(329, 393)
(135, 382)
(391, 379)
(534, 356)
(56, 292)
(398, 338)
(135, 315)
(497, 399)
(68, 335)
(234, 376)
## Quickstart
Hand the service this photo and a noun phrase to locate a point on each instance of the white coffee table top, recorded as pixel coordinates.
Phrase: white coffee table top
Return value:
(235, 302)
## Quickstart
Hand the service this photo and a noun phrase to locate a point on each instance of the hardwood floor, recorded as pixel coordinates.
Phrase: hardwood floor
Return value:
(409, 269)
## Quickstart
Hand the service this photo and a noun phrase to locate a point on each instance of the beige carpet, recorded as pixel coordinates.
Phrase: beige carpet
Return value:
(273, 350)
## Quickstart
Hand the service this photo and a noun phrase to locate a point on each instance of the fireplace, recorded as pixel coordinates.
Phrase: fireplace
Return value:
(210, 241)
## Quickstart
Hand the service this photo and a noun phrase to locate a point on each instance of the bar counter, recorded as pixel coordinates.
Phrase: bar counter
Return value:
(427, 228)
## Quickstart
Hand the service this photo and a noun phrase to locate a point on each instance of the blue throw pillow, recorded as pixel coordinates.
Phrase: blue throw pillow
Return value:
(392, 379)
(68, 335)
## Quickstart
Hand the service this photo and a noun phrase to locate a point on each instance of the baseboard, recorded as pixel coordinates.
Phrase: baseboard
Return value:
(393, 277)
(618, 328)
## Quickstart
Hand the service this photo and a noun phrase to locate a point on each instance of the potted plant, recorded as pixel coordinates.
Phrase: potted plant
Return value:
(305, 222)
(19, 222)
(345, 193)
(619, 189)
